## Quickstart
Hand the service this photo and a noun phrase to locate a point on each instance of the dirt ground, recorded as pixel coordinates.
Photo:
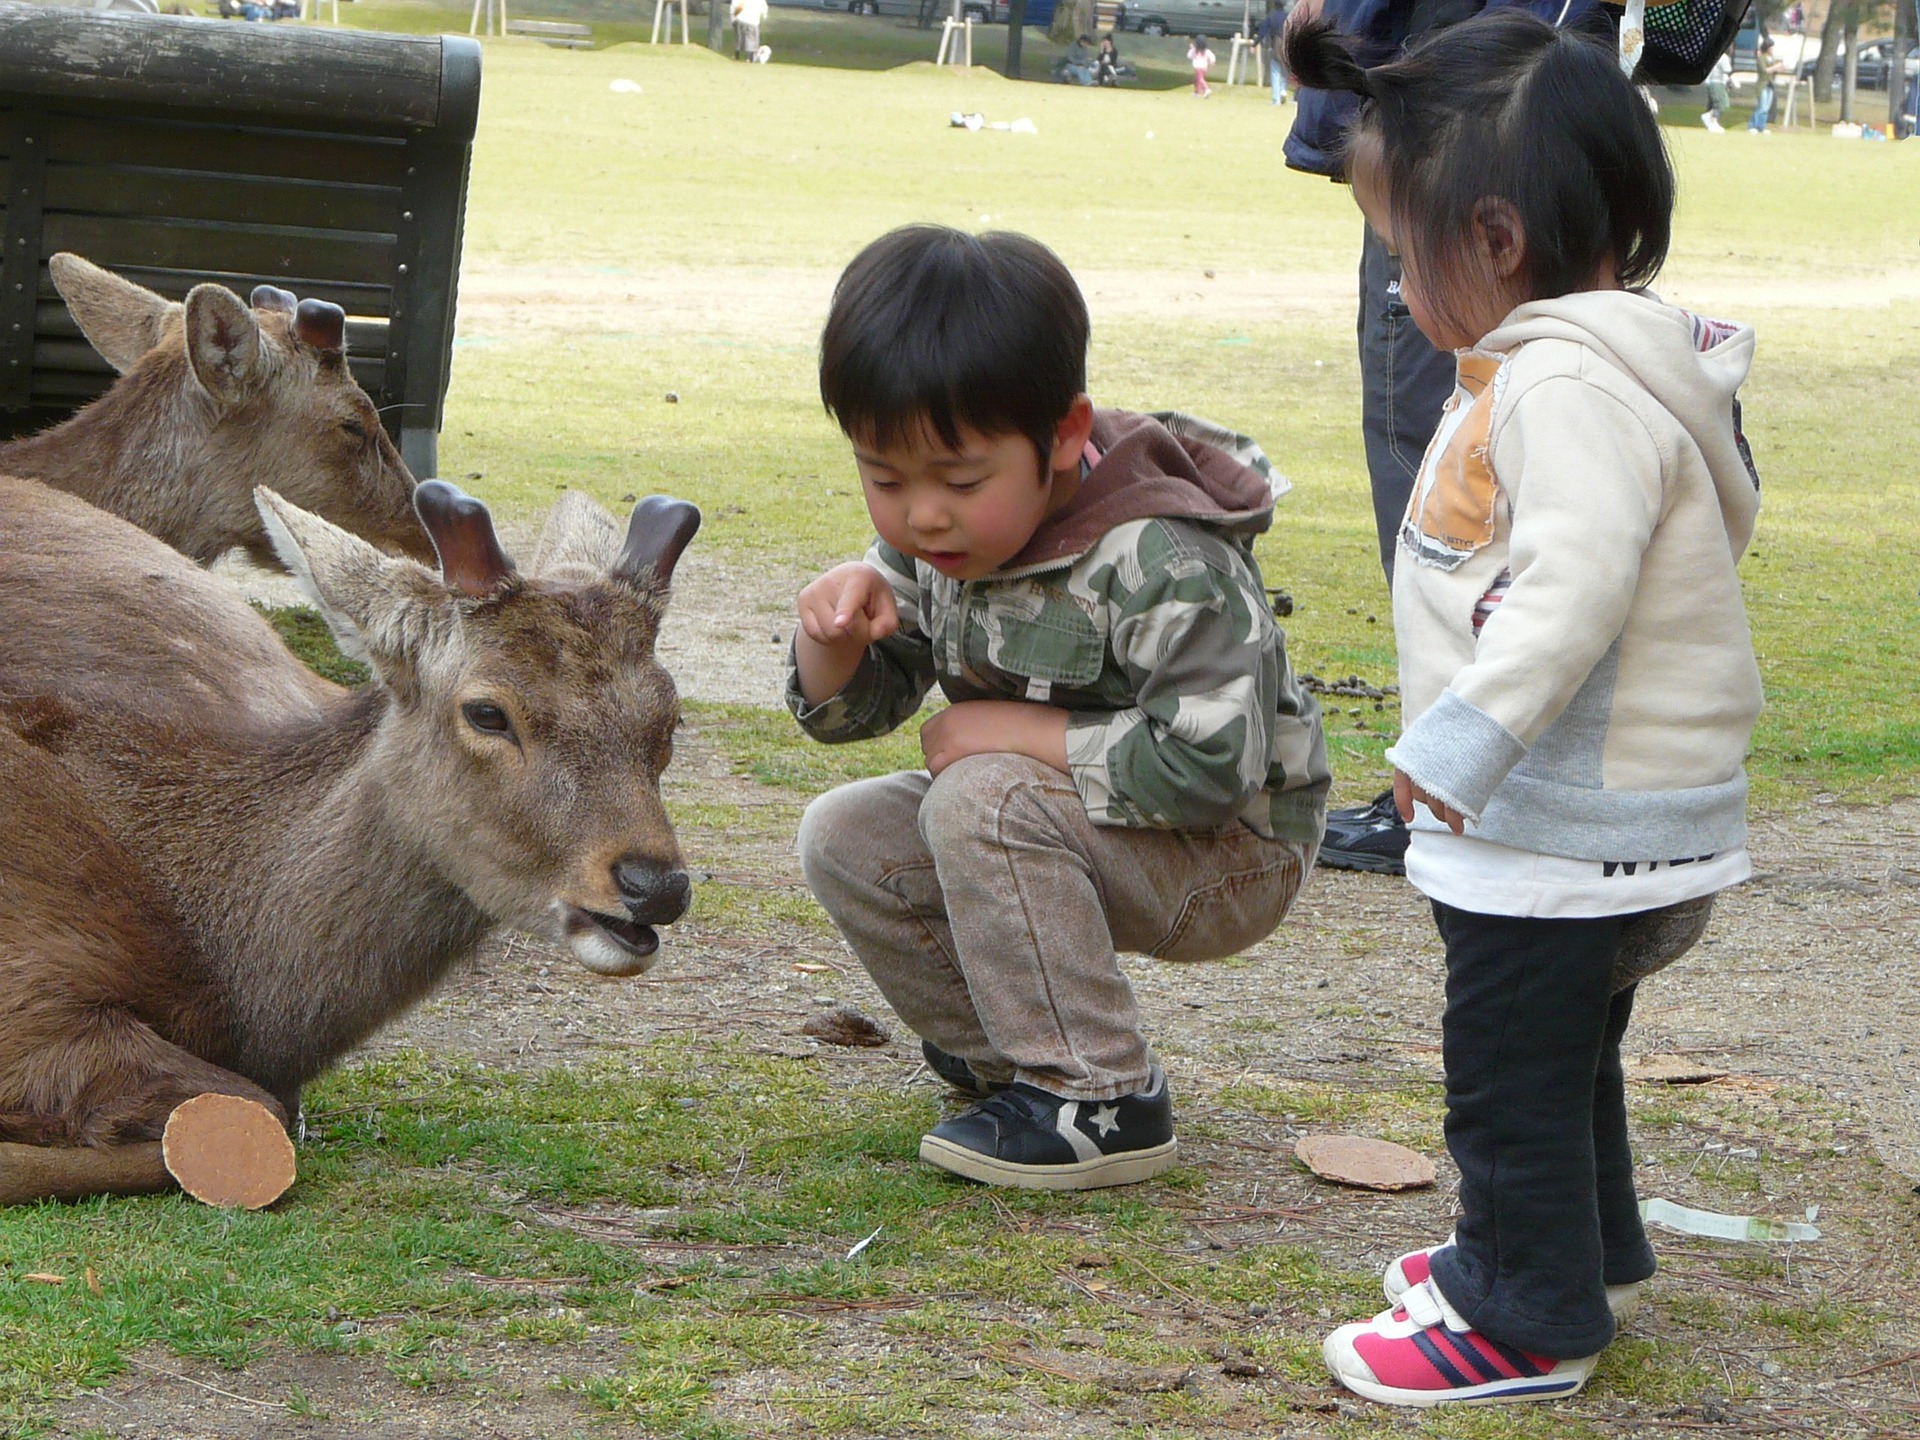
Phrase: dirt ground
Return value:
(1808, 982)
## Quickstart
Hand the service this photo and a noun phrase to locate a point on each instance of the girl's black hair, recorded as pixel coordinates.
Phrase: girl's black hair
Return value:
(1506, 107)
(932, 329)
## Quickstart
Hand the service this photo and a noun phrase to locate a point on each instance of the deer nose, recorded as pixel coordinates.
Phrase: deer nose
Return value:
(652, 896)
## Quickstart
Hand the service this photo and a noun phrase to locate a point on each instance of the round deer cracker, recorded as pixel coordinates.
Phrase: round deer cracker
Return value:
(1368, 1164)
(228, 1151)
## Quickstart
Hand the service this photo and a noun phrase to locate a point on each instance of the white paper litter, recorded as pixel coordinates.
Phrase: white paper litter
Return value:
(866, 1242)
(1712, 1225)
(625, 87)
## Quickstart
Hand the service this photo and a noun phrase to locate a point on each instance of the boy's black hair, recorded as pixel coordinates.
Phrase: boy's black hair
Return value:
(1504, 106)
(932, 329)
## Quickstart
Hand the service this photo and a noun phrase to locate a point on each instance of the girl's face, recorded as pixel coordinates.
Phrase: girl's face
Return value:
(1476, 309)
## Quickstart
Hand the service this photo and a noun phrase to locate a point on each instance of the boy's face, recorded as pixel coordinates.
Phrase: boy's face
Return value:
(969, 510)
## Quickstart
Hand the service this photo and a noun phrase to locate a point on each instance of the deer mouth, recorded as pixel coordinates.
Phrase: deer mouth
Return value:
(610, 944)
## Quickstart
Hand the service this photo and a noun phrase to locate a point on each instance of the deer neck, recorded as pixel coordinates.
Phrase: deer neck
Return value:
(138, 452)
(321, 919)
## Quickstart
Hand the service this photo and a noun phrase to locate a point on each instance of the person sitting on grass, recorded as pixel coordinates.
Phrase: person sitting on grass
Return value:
(1126, 761)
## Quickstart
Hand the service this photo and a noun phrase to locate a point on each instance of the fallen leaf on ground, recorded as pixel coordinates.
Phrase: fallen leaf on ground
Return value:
(844, 1025)
(41, 1277)
(1671, 1070)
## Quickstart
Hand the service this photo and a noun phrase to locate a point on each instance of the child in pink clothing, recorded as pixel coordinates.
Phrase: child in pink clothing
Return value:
(1201, 58)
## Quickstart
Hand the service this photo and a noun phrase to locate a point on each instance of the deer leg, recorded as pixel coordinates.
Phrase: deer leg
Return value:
(72, 1172)
(123, 1083)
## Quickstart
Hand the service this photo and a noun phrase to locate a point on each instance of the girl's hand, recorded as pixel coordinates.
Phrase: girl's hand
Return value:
(1405, 793)
(995, 727)
(841, 613)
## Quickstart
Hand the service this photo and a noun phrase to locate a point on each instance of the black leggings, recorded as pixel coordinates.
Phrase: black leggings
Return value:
(1537, 1123)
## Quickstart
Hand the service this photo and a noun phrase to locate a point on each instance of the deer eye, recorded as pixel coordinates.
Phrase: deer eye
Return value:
(354, 429)
(487, 718)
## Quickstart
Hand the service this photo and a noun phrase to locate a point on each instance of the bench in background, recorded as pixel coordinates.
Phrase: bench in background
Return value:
(555, 32)
(174, 150)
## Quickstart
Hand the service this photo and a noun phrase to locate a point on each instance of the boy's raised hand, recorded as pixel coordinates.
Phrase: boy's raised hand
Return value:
(841, 613)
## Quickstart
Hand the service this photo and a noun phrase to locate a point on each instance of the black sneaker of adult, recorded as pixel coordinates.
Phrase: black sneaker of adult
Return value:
(1028, 1137)
(1366, 837)
(956, 1072)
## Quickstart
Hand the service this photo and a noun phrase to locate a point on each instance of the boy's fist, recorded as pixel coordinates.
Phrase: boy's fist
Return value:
(850, 606)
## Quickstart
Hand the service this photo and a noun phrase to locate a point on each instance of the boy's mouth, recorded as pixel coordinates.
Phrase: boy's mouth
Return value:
(944, 559)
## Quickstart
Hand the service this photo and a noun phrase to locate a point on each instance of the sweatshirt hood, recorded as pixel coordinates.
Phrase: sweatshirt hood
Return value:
(1691, 365)
(1158, 467)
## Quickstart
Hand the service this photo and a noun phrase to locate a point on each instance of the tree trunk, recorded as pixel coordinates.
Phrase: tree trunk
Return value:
(1903, 29)
(1071, 20)
(1829, 32)
(1016, 26)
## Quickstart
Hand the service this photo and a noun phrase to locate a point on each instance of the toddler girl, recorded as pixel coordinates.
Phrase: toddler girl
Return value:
(1200, 56)
(1576, 672)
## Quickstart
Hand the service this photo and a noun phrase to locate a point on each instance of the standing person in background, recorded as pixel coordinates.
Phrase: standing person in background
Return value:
(748, 15)
(1717, 79)
(1200, 56)
(1268, 35)
(1765, 67)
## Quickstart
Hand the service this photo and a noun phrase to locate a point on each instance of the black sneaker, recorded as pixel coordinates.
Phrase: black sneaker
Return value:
(956, 1072)
(1028, 1137)
(1366, 837)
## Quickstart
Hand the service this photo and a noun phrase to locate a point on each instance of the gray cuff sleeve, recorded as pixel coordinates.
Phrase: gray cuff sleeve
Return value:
(1458, 754)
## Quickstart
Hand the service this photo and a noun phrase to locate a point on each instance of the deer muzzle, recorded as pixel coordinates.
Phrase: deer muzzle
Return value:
(628, 944)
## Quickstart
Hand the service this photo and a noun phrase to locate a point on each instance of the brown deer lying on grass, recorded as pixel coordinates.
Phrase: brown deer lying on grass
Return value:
(215, 398)
(200, 895)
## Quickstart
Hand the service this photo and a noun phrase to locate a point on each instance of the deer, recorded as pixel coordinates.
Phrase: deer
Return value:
(214, 397)
(220, 873)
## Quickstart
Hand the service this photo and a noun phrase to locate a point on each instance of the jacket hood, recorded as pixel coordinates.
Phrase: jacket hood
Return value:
(1691, 365)
(1158, 467)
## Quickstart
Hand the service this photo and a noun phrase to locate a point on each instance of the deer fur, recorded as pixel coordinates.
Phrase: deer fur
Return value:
(220, 873)
(215, 397)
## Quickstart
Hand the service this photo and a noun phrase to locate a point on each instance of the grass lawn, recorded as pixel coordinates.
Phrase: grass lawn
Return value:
(716, 186)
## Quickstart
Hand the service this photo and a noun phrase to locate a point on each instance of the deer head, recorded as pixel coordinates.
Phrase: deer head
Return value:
(270, 379)
(529, 721)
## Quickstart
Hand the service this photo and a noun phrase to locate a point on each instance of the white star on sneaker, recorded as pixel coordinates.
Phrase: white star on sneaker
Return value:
(1106, 1120)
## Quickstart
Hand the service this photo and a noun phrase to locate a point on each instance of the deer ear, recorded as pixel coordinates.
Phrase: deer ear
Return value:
(471, 560)
(121, 320)
(223, 343)
(659, 530)
(381, 608)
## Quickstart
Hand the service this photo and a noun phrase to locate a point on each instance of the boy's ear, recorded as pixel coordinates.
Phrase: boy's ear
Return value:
(1502, 236)
(1070, 436)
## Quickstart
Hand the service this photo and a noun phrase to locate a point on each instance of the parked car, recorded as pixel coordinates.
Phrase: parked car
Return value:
(995, 12)
(1874, 66)
(1218, 18)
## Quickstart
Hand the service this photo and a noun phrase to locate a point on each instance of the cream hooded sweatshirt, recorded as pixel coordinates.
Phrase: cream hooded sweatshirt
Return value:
(1576, 671)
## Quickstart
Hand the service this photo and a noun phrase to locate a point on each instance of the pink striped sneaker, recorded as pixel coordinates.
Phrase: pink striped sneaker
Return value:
(1413, 1269)
(1423, 1353)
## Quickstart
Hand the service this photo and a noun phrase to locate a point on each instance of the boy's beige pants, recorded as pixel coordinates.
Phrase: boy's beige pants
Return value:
(988, 909)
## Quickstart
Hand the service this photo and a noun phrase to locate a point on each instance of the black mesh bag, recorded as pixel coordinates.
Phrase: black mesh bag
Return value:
(1685, 38)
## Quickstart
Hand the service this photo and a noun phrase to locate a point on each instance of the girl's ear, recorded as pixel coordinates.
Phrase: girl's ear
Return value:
(1070, 436)
(1503, 239)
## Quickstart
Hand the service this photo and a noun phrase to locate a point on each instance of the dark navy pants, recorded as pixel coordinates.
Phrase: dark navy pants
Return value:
(1404, 382)
(1537, 1123)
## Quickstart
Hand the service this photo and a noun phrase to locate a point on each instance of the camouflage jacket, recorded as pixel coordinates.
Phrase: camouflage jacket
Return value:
(1140, 611)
